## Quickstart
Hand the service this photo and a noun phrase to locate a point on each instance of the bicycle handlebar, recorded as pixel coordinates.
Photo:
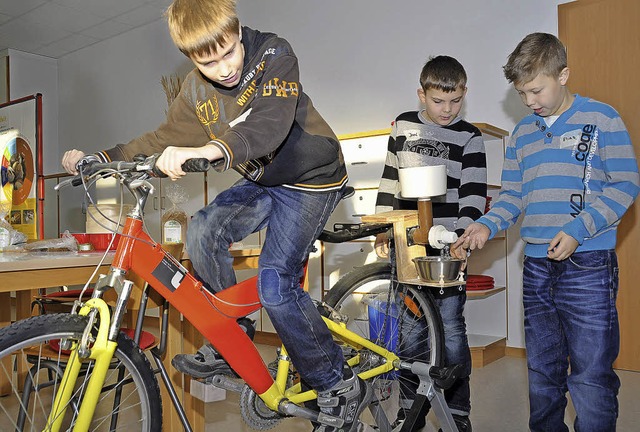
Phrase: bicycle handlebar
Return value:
(141, 164)
(145, 166)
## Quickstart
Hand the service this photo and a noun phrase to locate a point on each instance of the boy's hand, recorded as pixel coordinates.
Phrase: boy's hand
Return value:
(171, 160)
(562, 246)
(474, 237)
(382, 245)
(458, 252)
(70, 160)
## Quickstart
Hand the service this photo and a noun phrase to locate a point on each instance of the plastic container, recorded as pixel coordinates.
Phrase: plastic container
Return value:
(383, 326)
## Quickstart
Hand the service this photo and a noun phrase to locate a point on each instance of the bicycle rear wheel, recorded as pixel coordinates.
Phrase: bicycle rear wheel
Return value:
(130, 398)
(403, 318)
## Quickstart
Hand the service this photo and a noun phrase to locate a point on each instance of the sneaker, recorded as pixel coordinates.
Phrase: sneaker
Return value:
(346, 400)
(207, 362)
(462, 423)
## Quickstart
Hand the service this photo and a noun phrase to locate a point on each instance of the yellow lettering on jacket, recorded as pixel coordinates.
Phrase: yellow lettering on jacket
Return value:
(244, 97)
(282, 88)
(208, 111)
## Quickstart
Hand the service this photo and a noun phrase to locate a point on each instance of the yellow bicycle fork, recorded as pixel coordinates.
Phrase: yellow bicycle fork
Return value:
(101, 353)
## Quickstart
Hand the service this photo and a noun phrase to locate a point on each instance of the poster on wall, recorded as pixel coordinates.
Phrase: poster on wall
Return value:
(21, 165)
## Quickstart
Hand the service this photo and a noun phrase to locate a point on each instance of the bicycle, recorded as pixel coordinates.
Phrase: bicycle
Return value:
(85, 374)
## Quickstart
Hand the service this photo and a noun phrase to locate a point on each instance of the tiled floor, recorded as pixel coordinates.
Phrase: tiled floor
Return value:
(498, 397)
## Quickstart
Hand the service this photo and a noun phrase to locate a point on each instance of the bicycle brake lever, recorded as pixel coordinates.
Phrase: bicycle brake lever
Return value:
(139, 183)
(63, 184)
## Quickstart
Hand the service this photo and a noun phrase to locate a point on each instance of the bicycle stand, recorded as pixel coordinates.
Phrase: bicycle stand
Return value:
(433, 380)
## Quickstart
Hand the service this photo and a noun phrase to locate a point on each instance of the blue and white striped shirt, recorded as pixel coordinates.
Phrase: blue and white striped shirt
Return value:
(579, 175)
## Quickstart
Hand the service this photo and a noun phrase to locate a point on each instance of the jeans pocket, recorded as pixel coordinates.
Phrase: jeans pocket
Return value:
(591, 260)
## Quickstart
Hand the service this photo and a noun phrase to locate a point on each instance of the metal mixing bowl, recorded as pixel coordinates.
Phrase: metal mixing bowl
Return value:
(436, 269)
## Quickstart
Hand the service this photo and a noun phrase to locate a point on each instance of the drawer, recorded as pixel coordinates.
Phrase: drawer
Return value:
(364, 158)
(340, 259)
(350, 210)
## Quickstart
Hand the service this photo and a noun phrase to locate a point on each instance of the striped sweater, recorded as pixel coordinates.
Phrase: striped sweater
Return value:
(415, 141)
(579, 175)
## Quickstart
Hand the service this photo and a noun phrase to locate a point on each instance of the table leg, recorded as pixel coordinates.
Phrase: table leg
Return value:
(174, 346)
(23, 310)
(5, 367)
(193, 406)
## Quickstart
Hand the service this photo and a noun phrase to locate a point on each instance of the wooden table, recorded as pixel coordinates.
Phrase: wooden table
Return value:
(25, 273)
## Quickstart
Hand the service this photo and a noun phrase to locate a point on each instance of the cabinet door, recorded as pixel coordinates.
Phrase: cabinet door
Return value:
(364, 158)
(494, 150)
(614, 39)
(339, 259)
(350, 210)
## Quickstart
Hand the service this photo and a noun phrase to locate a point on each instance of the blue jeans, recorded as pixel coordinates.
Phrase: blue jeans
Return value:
(293, 219)
(571, 320)
(456, 347)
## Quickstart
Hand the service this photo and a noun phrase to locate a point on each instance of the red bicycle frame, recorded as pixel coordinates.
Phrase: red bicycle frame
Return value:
(214, 316)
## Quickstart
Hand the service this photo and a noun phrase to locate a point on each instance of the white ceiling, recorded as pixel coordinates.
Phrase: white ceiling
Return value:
(54, 28)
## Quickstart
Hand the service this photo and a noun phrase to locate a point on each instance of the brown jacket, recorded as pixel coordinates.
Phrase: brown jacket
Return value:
(266, 126)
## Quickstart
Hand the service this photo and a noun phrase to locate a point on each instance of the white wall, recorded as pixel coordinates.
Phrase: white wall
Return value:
(359, 61)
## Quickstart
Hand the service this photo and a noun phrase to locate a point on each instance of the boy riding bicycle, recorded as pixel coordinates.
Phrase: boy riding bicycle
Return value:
(243, 107)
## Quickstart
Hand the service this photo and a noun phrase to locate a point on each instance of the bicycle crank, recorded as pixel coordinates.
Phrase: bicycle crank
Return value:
(254, 411)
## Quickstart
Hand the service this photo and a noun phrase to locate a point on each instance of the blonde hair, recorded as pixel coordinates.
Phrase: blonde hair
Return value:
(537, 53)
(200, 27)
(443, 73)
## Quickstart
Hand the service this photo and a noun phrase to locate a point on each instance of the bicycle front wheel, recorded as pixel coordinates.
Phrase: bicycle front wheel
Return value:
(31, 367)
(402, 318)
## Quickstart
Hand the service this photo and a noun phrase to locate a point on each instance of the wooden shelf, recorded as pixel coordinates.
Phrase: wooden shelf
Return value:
(480, 294)
(486, 349)
(492, 130)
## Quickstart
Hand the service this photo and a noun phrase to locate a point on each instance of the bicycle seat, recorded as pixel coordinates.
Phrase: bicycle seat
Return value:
(348, 192)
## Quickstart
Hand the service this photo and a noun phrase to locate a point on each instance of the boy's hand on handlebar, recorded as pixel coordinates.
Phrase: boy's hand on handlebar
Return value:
(382, 245)
(474, 237)
(70, 160)
(171, 160)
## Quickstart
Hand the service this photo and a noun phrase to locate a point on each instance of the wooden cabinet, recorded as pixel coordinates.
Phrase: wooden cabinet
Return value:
(486, 312)
(603, 44)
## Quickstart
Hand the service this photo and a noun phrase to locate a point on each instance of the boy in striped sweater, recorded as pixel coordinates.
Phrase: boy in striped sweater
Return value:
(571, 171)
(436, 135)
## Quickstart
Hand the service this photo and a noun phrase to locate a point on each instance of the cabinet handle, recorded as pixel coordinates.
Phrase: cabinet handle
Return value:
(359, 163)
(162, 203)
(155, 203)
(358, 215)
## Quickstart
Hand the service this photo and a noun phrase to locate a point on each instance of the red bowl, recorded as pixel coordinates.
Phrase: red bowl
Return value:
(99, 241)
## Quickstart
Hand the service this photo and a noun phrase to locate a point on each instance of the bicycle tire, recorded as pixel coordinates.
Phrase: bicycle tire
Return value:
(29, 342)
(355, 294)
